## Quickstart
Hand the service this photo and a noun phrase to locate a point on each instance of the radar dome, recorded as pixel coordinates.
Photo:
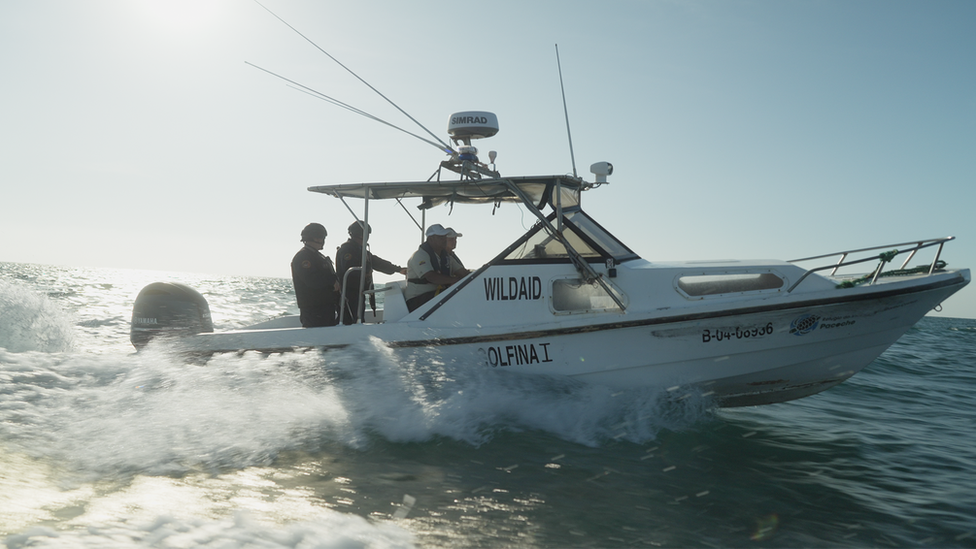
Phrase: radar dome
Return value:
(468, 125)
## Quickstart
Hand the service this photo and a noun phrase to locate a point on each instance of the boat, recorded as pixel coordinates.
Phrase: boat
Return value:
(568, 298)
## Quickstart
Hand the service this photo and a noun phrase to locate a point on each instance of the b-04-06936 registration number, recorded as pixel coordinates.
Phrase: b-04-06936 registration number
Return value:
(736, 333)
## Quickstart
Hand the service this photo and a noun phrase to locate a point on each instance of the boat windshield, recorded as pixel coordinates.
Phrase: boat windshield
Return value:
(580, 231)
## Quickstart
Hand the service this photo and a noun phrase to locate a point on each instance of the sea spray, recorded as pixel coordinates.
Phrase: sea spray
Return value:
(420, 396)
(31, 322)
(111, 415)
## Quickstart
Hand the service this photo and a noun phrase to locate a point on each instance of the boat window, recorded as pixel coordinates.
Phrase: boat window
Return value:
(569, 197)
(572, 295)
(728, 283)
(586, 236)
(597, 234)
(542, 245)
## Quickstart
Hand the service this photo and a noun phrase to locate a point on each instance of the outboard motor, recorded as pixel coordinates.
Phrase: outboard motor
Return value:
(168, 309)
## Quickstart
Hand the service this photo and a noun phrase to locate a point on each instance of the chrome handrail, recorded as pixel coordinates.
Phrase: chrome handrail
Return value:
(915, 246)
(342, 296)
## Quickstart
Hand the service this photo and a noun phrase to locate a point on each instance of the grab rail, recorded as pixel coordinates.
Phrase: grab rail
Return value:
(884, 257)
(342, 296)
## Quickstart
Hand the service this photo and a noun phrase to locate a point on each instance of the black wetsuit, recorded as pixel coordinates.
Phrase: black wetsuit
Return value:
(350, 255)
(315, 278)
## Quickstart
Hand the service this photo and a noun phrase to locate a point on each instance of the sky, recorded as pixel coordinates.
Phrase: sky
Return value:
(135, 135)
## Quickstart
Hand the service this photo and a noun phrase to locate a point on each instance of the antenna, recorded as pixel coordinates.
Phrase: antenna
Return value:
(319, 95)
(569, 134)
(445, 148)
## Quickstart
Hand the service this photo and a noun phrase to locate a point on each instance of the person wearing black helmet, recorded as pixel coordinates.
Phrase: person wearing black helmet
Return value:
(316, 284)
(349, 255)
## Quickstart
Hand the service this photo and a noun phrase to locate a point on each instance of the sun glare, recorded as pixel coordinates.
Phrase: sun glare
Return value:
(181, 15)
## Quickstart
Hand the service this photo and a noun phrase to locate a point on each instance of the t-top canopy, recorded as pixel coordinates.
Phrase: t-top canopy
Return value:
(539, 190)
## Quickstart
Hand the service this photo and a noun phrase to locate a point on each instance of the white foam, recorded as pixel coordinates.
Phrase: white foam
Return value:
(114, 415)
(415, 399)
(151, 413)
(330, 530)
(32, 322)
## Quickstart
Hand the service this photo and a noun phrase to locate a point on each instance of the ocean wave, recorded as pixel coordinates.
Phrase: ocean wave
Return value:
(100, 322)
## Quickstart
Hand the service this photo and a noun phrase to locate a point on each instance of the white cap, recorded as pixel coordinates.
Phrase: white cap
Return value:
(438, 230)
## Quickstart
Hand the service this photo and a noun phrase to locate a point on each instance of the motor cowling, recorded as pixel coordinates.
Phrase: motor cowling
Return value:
(168, 309)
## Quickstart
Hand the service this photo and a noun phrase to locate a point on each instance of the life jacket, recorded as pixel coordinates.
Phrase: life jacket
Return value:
(440, 263)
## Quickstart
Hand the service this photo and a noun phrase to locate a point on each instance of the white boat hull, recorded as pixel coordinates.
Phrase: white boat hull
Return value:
(762, 352)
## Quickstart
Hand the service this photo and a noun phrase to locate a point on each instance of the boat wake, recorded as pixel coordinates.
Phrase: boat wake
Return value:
(116, 416)
(423, 396)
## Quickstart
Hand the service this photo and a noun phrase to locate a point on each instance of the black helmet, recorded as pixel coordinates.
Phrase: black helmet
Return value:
(313, 231)
(356, 229)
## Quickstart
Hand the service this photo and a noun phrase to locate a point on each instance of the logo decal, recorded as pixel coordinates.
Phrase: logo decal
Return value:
(804, 325)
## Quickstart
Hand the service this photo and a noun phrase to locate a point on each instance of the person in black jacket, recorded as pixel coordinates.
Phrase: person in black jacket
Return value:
(316, 284)
(350, 254)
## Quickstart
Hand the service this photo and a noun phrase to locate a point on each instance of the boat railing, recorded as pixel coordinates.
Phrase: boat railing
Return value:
(342, 296)
(893, 250)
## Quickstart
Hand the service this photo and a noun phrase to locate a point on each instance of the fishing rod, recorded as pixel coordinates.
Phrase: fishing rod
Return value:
(319, 95)
(443, 146)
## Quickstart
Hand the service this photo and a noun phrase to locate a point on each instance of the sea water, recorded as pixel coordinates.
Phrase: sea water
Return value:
(104, 447)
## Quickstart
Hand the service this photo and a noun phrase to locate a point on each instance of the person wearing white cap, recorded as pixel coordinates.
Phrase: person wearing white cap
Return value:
(432, 267)
(450, 245)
